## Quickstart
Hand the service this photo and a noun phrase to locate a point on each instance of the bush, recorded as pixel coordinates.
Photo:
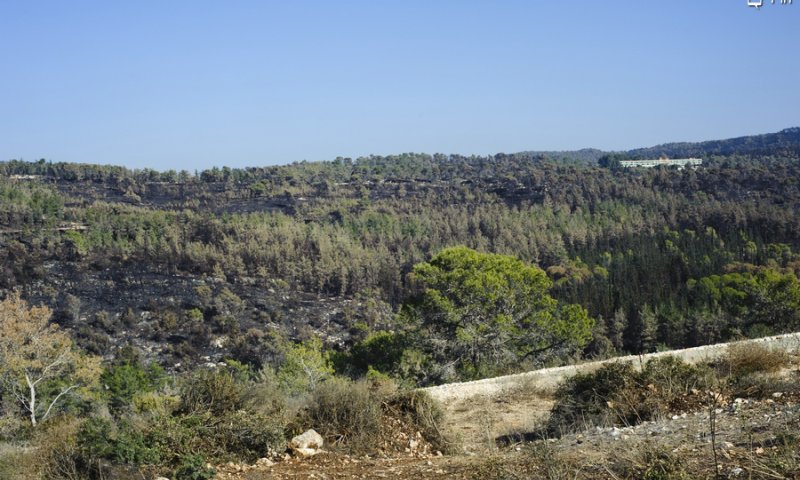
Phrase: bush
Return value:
(193, 467)
(165, 440)
(20, 463)
(211, 390)
(347, 413)
(425, 413)
(123, 382)
(249, 435)
(751, 370)
(617, 394)
(653, 463)
(583, 399)
(667, 380)
(747, 358)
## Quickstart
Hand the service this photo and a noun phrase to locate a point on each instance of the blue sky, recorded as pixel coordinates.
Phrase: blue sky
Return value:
(192, 84)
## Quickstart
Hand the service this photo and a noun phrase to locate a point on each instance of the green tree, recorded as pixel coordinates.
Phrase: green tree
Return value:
(480, 314)
(304, 366)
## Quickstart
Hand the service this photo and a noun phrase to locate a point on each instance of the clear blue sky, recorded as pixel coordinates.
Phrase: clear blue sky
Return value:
(192, 84)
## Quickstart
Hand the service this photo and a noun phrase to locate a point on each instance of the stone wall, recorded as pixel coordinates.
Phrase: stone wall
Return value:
(549, 378)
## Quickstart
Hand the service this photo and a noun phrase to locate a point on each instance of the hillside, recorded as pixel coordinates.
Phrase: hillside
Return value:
(785, 142)
(322, 249)
(153, 322)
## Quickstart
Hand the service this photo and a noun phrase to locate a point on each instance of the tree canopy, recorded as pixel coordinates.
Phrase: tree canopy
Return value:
(480, 314)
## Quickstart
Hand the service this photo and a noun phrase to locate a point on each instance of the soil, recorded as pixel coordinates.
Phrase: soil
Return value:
(751, 438)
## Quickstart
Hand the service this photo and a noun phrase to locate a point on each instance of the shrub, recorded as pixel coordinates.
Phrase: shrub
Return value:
(347, 413)
(617, 394)
(193, 467)
(304, 367)
(155, 403)
(20, 463)
(212, 390)
(583, 399)
(751, 370)
(746, 358)
(426, 414)
(249, 435)
(655, 463)
(123, 382)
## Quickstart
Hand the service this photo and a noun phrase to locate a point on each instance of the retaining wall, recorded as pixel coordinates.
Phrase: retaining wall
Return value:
(549, 378)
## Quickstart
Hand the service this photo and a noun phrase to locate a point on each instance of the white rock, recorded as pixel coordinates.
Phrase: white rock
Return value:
(264, 462)
(307, 444)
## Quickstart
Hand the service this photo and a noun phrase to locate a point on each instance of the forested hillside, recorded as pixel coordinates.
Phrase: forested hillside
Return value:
(153, 323)
(229, 263)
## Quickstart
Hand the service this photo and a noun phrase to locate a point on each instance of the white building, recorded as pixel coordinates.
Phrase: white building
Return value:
(680, 162)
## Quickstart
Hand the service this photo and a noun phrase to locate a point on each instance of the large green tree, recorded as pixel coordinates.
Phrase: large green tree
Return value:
(480, 314)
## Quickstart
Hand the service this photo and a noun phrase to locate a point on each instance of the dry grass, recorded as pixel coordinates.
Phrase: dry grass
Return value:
(743, 359)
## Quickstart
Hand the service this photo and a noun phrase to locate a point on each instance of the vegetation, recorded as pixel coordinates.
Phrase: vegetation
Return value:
(481, 314)
(38, 364)
(618, 394)
(256, 302)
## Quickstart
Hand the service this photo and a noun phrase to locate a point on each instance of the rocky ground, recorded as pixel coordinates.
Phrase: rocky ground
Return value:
(713, 436)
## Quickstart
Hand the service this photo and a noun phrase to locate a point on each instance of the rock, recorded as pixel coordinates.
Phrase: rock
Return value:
(264, 462)
(306, 444)
(735, 472)
(162, 478)
(777, 395)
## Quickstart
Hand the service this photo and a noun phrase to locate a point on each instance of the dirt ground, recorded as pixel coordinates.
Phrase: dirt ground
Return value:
(749, 438)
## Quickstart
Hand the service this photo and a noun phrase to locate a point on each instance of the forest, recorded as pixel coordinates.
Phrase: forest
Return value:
(421, 268)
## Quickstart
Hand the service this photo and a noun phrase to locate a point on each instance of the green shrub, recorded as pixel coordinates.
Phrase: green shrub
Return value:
(381, 351)
(164, 440)
(305, 366)
(123, 382)
(751, 370)
(17, 463)
(583, 399)
(193, 467)
(155, 403)
(666, 381)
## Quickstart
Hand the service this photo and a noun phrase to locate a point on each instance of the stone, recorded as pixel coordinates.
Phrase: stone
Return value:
(264, 462)
(307, 444)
